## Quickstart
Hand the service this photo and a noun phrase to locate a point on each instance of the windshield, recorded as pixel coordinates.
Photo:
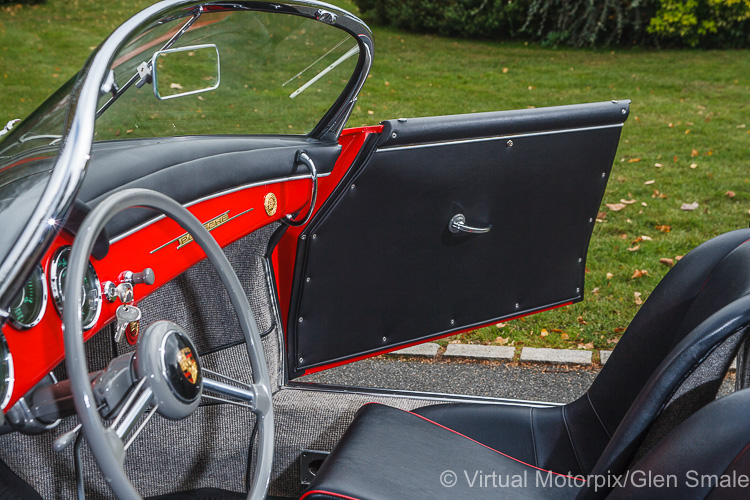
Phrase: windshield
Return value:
(266, 73)
(27, 156)
(279, 74)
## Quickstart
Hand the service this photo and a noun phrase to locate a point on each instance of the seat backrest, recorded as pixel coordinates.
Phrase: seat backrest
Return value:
(707, 456)
(671, 360)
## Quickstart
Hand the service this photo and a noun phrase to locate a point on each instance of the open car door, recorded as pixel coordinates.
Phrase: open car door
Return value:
(445, 224)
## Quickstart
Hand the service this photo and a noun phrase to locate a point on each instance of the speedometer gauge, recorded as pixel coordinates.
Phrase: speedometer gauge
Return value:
(28, 309)
(91, 293)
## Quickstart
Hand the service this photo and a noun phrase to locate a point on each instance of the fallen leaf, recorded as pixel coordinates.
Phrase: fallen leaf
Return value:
(664, 228)
(646, 238)
(590, 345)
(581, 321)
(610, 276)
(564, 336)
(687, 131)
(658, 165)
(731, 194)
(454, 341)
(689, 206)
(505, 70)
(634, 160)
(638, 300)
(643, 203)
(500, 325)
(678, 257)
(639, 273)
(667, 261)
(634, 249)
(649, 182)
(557, 330)
(501, 340)
(615, 340)
(637, 240)
(595, 291)
(544, 332)
(619, 329)
(174, 85)
(694, 153)
(627, 202)
(616, 207)
(623, 236)
(601, 215)
(670, 125)
(693, 165)
(370, 112)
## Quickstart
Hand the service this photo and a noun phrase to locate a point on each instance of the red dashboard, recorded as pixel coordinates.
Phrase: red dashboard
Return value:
(163, 247)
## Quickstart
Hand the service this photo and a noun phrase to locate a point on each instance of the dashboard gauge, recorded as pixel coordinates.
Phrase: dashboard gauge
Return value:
(91, 292)
(28, 309)
(6, 373)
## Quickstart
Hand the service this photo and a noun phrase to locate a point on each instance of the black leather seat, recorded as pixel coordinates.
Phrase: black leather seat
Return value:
(705, 457)
(668, 364)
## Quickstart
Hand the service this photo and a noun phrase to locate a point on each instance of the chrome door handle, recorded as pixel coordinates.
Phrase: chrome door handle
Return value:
(458, 224)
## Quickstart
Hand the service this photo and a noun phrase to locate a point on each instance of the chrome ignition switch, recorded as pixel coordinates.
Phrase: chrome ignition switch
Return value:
(124, 289)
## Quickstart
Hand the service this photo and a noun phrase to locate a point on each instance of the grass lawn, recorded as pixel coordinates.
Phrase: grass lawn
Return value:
(687, 139)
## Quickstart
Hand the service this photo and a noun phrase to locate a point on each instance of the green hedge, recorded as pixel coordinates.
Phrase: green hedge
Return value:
(687, 23)
(497, 19)
(704, 23)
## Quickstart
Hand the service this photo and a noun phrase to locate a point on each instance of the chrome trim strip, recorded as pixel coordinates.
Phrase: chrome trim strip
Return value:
(210, 197)
(497, 138)
(399, 393)
(273, 297)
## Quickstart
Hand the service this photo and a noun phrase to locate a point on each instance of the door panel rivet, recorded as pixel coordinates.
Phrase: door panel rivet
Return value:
(394, 135)
(301, 319)
(315, 236)
(579, 260)
(453, 322)
(509, 143)
(591, 219)
(384, 339)
(604, 174)
(303, 237)
(578, 290)
(352, 187)
(308, 278)
(517, 305)
(301, 360)
(624, 111)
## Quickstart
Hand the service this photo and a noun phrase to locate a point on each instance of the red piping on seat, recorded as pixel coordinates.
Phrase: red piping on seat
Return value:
(337, 495)
(500, 452)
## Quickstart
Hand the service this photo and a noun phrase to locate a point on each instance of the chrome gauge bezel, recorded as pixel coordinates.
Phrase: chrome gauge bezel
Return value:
(6, 385)
(45, 296)
(57, 295)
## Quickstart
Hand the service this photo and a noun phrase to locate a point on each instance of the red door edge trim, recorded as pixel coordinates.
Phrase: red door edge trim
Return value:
(370, 129)
(321, 368)
(329, 493)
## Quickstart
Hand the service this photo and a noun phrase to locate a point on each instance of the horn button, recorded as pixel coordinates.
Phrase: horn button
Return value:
(166, 356)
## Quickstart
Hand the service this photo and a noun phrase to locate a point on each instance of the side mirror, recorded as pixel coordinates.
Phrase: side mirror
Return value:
(185, 70)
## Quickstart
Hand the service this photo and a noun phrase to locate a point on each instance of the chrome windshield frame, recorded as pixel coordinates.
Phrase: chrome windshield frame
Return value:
(75, 150)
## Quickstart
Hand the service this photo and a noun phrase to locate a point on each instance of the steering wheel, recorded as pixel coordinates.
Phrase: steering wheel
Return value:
(165, 372)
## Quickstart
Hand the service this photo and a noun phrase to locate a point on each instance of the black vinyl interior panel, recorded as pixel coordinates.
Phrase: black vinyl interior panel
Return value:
(384, 269)
(190, 168)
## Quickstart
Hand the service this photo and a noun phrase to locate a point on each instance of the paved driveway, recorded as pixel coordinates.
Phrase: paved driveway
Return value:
(554, 383)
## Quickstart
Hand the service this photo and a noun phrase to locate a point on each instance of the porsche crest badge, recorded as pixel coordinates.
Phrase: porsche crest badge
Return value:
(188, 365)
(270, 203)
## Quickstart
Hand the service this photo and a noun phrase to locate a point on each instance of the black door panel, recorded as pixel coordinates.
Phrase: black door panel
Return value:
(384, 269)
